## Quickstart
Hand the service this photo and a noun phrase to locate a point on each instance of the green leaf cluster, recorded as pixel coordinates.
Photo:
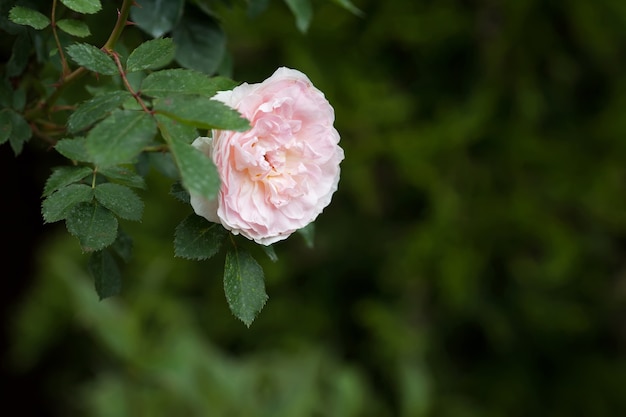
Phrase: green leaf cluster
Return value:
(110, 137)
(92, 58)
(27, 16)
(117, 109)
(244, 287)
(90, 203)
(14, 129)
(200, 41)
(83, 6)
(302, 10)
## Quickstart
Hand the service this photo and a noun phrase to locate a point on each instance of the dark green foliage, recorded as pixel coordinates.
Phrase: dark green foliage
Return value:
(198, 172)
(123, 176)
(106, 274)
(303, 12)
(92, 58)
(83, 6)
(74, 27)
(177, 190)
(244, 285)
(59, 204)
(5, 126)
(183, 81)
(200, 43)
(73, 149)
(123, 245)
(20, 53)
(308, 234)
(157, 17)
(93, 225)
(120, 199)
(197, 238)
(119, 138)
(270, 252)
(348, 5)
(152, 54)
(64, 176)
(201, 112)
(96, 109)
(26, 16)
(20, 131)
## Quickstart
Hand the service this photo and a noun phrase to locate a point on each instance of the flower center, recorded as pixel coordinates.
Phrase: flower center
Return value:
(276, 159)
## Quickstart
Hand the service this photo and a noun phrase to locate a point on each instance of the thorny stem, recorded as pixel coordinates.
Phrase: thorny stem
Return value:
(53, 24)
(136, 95)
(122, 20)
(37, 132)
(49, 125)
(43, 107)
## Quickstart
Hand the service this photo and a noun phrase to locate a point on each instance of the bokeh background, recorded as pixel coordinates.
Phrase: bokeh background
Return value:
(472, 262)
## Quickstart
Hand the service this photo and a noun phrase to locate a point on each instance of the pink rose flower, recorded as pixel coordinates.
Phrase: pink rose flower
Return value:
(278, 176)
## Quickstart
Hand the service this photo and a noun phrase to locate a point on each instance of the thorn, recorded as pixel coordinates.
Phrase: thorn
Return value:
(136, 4)
(129, 23)
(119, 13)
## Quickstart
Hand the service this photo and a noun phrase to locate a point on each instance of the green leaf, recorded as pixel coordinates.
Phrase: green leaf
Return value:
(28, 17)
(243, 285)
(200, 43)
(5, 126)
(20, 132)
(197, 238)
(120, 199)
(183, 81)
(157, 17)
(19, 99)
(303, 13)
(73, 149)
(106, 274)
(20, 54)
(152, 54)
(347, 4)
(59, 205)
(201, 112)
(92, 58)
(226, 67)
(93, 225)
(74, 27)
(269, 251)
(176, 129)
(6, 93)
(64, 176)
(198, 172)
(83, 6)
(308, 233)
(123, 176)
(123, 245)
(95, 109)
(164, 163)
(178, 191)
(120, 137)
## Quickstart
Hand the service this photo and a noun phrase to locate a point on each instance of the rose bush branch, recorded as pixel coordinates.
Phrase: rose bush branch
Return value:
(120, 24)
(267, 168)
(130, 89)
(43, 107)
(53, 25)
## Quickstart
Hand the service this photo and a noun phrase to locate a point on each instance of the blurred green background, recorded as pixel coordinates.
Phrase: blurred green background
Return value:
(472, 262)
